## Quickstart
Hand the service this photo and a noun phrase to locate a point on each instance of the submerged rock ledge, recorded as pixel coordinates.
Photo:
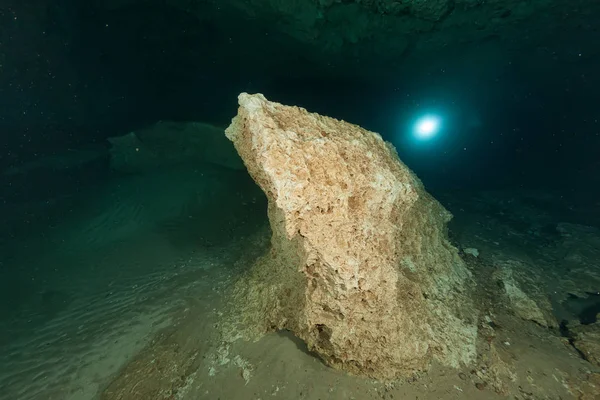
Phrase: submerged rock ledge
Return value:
(360, 267)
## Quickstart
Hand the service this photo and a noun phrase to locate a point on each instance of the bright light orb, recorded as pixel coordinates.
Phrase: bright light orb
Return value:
(427, 127)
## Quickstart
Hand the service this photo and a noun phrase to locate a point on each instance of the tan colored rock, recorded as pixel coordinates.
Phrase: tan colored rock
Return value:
(360, 266)
(586, 339)
(523, 294)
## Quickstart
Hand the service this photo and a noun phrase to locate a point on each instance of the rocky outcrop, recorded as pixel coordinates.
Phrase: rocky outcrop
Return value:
(586, 339)
(360, 267)
(167, 144)
(579, 251)
(524, 292)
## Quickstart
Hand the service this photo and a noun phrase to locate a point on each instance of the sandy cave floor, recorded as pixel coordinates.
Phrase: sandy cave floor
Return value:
(126, 295)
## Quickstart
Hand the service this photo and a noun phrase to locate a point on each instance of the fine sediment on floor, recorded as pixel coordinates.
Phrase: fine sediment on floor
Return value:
(360, 267)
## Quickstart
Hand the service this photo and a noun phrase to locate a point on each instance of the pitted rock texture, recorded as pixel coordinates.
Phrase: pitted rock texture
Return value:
(360, 267)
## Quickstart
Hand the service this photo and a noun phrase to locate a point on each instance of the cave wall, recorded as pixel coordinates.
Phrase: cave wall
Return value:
(76, 72)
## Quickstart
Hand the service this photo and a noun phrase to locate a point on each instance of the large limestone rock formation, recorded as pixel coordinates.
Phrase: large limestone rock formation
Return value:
(360, 267)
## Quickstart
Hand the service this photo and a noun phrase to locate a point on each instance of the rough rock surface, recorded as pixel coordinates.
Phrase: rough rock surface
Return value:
(360, 267)
(524, 292)
(587, 340)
